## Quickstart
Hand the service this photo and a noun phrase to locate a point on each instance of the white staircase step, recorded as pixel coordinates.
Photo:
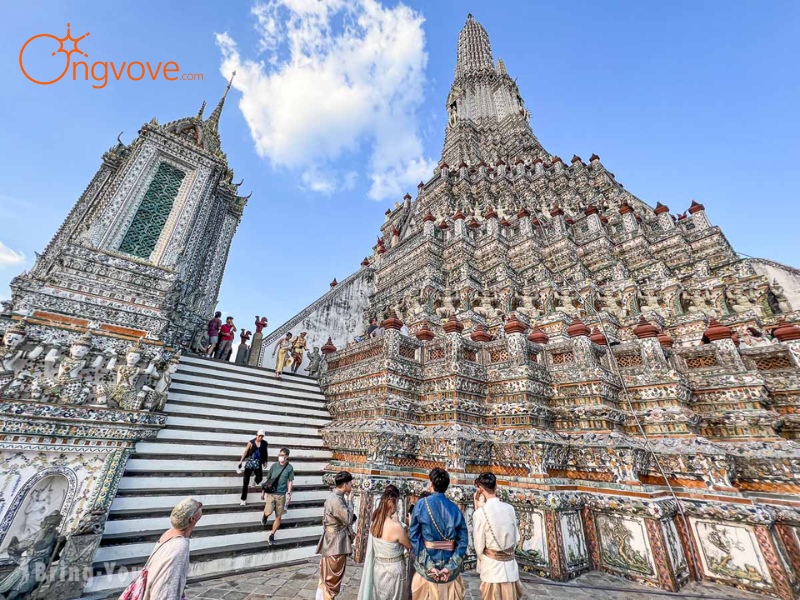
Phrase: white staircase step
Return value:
(236, 370)
(217, 566)
(248, 428)
(235, 415)
(196, 484)
(142, 550)
(135, 526)
(234, 451)
(168, 501)
(240, 408)
(213, 410)
(224, 387)
(275, 441)
(224, 376)
(145, 465)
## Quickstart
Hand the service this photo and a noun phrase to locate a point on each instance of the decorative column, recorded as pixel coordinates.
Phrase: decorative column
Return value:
(629, 222)
(492, 226)
(664, 218)
(697, 216)
(428, 225)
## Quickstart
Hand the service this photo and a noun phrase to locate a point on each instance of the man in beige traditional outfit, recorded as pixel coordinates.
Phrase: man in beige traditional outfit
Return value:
(495, 536)
(336, 543)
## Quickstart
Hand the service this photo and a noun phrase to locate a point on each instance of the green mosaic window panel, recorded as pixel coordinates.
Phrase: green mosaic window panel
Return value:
(145, 229)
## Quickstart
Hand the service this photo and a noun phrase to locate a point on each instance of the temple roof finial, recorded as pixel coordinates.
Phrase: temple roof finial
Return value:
(474, 50)
(214, 118)
(202, 108)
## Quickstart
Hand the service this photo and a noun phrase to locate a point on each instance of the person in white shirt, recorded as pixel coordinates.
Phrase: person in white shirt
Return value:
(495, 536)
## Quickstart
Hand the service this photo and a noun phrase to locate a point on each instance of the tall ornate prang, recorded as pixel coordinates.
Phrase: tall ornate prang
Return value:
(144, 248)
(659, 377)
(84, 372)
(487, 118)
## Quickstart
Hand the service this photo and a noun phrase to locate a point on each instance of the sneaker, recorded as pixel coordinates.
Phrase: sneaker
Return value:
(271, 539)
(243, 503)
(263, 520)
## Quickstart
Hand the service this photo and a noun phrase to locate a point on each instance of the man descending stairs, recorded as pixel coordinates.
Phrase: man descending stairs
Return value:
(213, 410)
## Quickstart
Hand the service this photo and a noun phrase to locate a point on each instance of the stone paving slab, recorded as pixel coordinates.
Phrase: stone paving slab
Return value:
(299, 582)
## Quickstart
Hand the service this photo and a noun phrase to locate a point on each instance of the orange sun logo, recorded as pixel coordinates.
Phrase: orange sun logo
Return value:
(61, 48)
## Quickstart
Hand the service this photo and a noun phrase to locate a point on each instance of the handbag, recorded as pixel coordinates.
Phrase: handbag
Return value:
(252, 462)
(135, 589)
(271, 484)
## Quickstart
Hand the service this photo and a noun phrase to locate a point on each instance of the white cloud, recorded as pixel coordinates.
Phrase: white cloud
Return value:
(9, 257)
(341, 77)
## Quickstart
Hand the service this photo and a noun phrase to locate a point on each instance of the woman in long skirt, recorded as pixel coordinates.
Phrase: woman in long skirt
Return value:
(385, 576)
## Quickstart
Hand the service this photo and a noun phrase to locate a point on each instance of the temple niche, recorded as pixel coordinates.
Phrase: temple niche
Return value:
(25, 518)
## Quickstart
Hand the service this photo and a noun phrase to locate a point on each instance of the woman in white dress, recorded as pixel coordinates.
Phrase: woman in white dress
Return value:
(385, 576)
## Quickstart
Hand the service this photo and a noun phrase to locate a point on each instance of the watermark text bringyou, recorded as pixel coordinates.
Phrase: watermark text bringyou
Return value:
(99, 72)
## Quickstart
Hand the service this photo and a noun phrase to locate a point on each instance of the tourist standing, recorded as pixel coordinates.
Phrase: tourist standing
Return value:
(336, 543)
(214, 326)
(226, 338)
(169, 562)
(284, 350)
(439, 539)
(253, 459)
(373, 326)
(277, 488)
(298, 347)
(495, 536)
(385, 576)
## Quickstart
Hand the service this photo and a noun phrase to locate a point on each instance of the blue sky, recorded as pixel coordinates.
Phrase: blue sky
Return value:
(681, 100)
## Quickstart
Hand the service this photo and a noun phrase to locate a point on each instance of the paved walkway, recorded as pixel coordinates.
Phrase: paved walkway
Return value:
(300, 582)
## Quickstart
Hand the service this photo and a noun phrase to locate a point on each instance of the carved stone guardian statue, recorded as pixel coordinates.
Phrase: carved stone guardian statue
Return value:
(156, 397)
(12, 346)
(314, 360)
(67, 386)
(32, 555)
(122, 393)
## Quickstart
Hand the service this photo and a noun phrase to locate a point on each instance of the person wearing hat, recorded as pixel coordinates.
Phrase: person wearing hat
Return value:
(169, 562)
(336, 543)
(252, 462)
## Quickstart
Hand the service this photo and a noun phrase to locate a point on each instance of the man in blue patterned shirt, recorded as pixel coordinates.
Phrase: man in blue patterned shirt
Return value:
(439, 538)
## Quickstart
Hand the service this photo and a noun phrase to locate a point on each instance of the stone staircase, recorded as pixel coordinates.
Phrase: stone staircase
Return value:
(213, 409)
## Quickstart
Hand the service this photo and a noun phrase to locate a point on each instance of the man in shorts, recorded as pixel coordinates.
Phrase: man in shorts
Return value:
(226, 339)
(214, 326)
(282, 473)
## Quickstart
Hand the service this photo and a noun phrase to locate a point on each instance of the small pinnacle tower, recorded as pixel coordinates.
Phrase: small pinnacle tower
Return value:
(144, 248)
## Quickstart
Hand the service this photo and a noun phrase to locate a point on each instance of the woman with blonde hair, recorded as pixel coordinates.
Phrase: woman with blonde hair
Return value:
(385, 575)
(164, 574)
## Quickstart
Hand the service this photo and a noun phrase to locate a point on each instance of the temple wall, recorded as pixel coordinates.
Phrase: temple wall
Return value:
(787, 276)
(38, 481)
(339, 314)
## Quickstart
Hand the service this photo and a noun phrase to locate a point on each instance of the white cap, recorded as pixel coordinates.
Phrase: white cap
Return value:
(260, 432)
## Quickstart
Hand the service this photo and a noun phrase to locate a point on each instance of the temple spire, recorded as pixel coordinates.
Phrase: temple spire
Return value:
(214, 118)
(501, 67)
(474, 50)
